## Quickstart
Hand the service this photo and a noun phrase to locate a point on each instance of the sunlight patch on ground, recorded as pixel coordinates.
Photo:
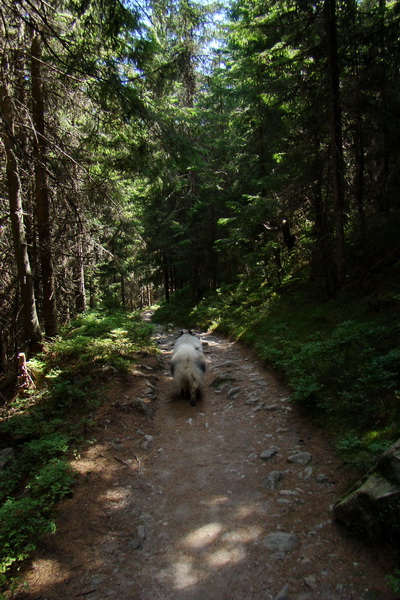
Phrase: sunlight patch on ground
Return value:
(117, 497)
(203, 535)
(49, 571)
(245, 511)
(184, 574)
(242, 535)
(217, 501)
(94, 460)
(226, 556)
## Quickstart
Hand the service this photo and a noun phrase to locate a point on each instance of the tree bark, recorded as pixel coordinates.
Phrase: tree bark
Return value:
(42, 192)
(383, 197)
(31, 327)
(79, 279)
(336, 136)
(166, 278)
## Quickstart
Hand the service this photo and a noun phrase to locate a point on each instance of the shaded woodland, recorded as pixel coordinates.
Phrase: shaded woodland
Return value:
(235, 163)
(165, 146)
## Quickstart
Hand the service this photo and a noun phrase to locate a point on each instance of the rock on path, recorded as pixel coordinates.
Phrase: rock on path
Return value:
(228, 500)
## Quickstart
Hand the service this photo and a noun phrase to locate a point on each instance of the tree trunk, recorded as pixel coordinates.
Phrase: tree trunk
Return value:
(383, 195)
(358, 127)
(31, 327)
(166, 278)
(79, 280)
(323, 267)
(123, 291)
(336, 136)
(42, 192)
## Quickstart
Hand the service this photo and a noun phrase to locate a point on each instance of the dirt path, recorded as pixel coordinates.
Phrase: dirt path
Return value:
(228, 500)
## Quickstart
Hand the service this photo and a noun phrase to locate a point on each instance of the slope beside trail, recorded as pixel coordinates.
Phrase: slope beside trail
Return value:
(228, 500)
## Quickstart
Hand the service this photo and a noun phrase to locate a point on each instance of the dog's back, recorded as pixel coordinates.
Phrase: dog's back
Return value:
(188, 366)
(188, 339)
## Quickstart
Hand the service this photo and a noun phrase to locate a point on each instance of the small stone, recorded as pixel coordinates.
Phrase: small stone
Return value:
(268, 454)
(227, 363)
(223, 378)
(143, 407)
(273, 478)
(288, 493)
(234, 392)
(283, 594)
(281, 541)
(322, 478)
(252, 399)
(311, 581)
(300, 458)
(262, 383)
(141, 531)
(272, 407)
(134, 544)
(306, 474)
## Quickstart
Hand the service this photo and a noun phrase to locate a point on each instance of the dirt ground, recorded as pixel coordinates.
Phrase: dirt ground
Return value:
(228, 500)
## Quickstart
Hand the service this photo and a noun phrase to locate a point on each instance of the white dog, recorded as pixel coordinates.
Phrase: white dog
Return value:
(188, 366)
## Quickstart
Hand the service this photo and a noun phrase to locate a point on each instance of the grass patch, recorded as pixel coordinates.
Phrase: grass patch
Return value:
(42, 428)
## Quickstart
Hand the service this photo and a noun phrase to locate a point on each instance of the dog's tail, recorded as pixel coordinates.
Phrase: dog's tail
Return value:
(194, 387)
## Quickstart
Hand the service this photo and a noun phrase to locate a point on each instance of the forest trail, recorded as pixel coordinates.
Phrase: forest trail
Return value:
(228, 500)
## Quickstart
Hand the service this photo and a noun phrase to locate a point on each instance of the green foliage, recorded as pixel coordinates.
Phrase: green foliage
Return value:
(52, 482)
(45, 427)
(352, 370)
(22, 521)
(394, 581)
(98, 338)
(178, 309)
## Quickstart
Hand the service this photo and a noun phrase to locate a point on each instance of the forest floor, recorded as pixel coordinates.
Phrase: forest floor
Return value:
(228, 500)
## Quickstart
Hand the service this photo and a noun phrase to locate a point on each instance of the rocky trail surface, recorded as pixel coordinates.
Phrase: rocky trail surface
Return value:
(228, 500)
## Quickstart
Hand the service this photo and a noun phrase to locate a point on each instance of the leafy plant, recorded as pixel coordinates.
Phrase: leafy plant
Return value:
(394, 581)
(22, 521)
(52, 482)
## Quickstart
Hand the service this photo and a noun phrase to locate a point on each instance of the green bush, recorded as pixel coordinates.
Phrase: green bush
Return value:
(22, 521)
(52, 482)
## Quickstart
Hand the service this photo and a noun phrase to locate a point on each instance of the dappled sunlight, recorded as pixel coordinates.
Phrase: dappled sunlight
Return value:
(185, 574)
(117, 498)
(51, 571)
(218, 500)
(226, 557)
(245, 511)
(225, 535)
(242, 535)
(203, 535)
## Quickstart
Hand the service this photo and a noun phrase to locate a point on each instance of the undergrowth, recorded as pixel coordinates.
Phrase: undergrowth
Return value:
(42, 427)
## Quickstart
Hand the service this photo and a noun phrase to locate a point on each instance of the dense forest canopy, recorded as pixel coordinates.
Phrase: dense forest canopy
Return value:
(166, 145)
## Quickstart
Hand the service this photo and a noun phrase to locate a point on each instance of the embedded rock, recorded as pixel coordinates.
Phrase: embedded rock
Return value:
(372, 507)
